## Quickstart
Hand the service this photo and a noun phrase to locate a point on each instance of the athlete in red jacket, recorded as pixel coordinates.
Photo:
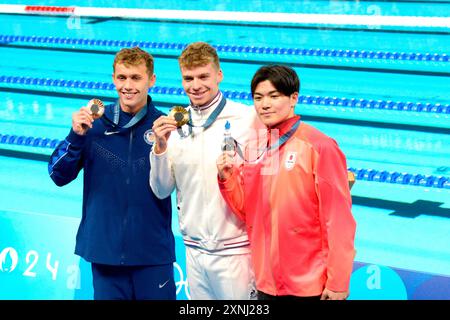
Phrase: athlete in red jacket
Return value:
(294, 197)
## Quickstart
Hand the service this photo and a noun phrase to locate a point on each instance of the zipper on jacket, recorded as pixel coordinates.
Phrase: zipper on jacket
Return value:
(128, 182)
(130, 163)
(267, 160)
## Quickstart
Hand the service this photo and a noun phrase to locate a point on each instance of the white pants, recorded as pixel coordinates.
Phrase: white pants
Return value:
(219, 277)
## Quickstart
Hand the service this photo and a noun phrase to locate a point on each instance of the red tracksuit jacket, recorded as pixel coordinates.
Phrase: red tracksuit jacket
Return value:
(296, 203)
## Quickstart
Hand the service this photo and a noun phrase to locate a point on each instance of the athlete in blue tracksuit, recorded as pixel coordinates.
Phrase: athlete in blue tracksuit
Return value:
(125, 230)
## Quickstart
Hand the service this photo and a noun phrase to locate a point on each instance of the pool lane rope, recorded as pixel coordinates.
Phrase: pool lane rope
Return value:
(228, 48)
(394, 177)
(275, 18)
(434, 108)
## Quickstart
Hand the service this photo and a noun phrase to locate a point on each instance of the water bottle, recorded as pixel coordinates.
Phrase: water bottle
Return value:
(228, 143)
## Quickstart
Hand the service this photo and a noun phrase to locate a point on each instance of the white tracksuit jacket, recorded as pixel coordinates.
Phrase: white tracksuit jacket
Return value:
(189, 165)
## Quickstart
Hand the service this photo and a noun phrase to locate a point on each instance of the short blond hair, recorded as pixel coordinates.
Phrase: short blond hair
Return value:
(198, 54)
(133, 57)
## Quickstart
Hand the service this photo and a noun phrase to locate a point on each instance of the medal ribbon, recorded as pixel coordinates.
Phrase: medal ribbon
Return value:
(212, 117)
(136, 118)
(283, 139)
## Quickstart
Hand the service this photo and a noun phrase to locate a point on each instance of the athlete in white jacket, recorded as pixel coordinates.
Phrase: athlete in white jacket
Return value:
(217, 246)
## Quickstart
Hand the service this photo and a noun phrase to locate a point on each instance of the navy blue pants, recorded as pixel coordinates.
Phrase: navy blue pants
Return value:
(133, 282)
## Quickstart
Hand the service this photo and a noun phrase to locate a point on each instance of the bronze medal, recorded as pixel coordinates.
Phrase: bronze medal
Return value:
(97, 108)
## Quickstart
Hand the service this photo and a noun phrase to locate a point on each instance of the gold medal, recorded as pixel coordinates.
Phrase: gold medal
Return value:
(97, 108)
(180, 114)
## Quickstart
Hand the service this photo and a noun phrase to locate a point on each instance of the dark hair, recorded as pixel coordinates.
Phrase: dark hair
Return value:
(283, 78)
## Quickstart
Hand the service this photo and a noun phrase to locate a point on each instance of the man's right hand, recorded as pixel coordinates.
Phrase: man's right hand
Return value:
(82, 121)
(225, 164)
(162, 127)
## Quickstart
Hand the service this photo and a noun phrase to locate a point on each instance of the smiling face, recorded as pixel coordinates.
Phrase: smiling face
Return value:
(201, 83)
(132, 84)
(275, 90)
(272, 106)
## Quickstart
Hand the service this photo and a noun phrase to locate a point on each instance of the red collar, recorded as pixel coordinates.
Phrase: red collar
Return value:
(284, 126)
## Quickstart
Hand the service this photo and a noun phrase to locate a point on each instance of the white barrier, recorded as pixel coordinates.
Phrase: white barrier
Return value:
(233, 16)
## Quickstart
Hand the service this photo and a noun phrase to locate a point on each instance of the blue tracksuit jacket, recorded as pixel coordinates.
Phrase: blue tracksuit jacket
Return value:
(123, 222)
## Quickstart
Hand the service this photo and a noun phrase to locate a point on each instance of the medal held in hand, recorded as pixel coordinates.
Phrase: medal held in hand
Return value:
(97, 108)
(180, 114)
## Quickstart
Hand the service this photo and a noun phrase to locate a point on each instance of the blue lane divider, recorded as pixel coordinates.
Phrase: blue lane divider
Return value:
(28, 141)
(333, 53)
(396, 177)
(242, 95)
(360, 174)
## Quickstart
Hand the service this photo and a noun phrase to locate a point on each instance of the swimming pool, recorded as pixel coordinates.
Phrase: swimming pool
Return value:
(381, 92)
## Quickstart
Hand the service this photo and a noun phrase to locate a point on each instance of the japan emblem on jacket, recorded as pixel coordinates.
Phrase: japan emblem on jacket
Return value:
(289, 163)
